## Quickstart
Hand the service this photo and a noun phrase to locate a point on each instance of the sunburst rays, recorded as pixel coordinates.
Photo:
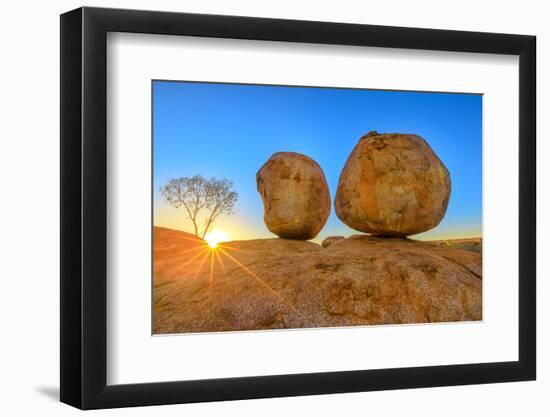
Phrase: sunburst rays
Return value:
(261, 281)
(204, 250)
(220, 261)
(224, 246)
(197, 272)
(216, 255)
(168, 258)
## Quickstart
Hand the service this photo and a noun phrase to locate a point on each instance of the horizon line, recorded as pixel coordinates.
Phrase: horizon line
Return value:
(411, 237)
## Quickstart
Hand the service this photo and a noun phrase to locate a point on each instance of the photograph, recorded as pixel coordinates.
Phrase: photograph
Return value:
(279, 205)
(292, 207)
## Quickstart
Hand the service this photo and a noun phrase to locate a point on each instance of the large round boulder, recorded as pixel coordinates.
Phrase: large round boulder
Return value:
(295, 195)
(392, 185)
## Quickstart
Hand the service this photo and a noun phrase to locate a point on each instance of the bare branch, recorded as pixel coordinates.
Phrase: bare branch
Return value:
(201, 198)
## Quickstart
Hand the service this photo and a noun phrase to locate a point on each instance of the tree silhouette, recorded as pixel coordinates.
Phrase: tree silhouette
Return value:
(204, 200)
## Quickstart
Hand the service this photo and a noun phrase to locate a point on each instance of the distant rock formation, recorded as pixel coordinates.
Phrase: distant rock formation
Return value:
(295, 195)
(474, 244)
(279, 283)
(330, 240)
(392, 185)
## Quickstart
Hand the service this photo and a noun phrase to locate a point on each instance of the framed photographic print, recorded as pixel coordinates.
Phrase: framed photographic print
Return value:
(257, 207)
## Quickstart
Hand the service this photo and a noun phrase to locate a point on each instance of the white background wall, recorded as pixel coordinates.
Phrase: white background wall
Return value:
(29, 233)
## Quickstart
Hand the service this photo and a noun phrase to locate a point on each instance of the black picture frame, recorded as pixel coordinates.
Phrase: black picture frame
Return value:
(84, 207)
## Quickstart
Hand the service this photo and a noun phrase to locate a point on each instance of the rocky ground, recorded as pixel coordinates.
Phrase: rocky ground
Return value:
(280, 283)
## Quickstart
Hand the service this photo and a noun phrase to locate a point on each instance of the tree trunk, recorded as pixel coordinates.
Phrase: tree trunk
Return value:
(195, 226)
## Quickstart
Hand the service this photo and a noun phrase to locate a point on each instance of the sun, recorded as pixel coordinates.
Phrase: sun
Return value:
(215, 237)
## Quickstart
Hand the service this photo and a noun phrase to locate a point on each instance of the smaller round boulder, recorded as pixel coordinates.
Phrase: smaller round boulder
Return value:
(295, 195)
(392, 185)
(330, 240)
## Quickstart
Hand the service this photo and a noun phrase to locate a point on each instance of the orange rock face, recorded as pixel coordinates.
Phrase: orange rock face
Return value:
(295, 195)
(280, 283)
(392, 185)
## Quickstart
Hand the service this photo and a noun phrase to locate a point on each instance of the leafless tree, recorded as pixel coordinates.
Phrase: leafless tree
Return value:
(204, 200)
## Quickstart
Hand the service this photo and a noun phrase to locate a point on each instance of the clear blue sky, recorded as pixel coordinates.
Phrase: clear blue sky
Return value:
(230, 130)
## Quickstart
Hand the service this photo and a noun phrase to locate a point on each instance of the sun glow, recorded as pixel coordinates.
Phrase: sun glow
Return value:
(215, 237)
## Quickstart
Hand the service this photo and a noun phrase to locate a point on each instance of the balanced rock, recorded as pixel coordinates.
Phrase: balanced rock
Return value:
(392, 185)
(330, 240)
(279, 283)
(295, 195)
